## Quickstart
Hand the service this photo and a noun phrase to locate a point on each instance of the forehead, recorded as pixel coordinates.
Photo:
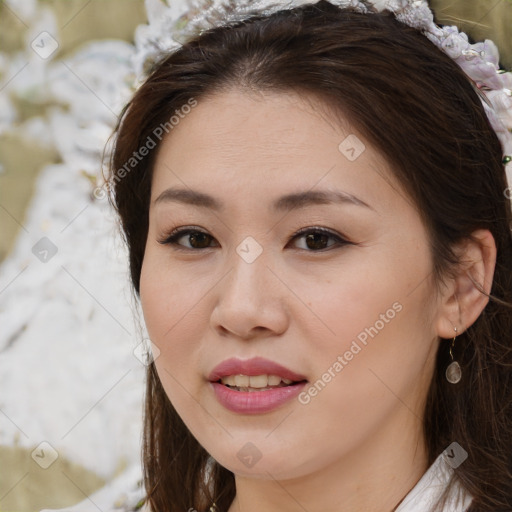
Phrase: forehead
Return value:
(263, 144)
(241, 118)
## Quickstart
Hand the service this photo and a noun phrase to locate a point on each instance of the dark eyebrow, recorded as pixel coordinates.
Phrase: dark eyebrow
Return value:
(312, 197)
(284, 203)
(187, 196)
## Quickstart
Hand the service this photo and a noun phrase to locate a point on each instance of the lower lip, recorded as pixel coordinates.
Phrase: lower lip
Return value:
(255, 402)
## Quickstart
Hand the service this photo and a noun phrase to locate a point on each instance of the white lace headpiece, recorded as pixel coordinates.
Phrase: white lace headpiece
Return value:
(172, 25)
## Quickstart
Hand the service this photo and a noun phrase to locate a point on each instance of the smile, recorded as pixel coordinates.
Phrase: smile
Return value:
(254, 386)
(254, 382)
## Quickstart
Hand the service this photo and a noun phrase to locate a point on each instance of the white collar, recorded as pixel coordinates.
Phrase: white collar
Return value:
(430, 487)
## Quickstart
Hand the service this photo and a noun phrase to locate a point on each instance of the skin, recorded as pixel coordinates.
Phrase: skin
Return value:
(299, 306)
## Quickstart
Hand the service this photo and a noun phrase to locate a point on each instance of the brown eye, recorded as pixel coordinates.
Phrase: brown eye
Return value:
(195, 239)
(199, 240)
(317, 239)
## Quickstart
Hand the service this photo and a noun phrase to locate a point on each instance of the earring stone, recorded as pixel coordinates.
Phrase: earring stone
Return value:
(453, 373)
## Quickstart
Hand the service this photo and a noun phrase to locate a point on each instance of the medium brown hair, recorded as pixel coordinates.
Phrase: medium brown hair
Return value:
(415, 106)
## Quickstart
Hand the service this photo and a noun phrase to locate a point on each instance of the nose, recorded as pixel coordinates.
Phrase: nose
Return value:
(250, 301)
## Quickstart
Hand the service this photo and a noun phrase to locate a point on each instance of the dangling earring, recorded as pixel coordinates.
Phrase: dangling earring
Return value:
(453, 372)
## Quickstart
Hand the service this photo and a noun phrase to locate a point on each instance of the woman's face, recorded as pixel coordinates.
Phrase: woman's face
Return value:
(298, 248)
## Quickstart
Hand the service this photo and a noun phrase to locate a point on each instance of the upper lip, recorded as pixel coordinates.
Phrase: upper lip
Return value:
(252, 367)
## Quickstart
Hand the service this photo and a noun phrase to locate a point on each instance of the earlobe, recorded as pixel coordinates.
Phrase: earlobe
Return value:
(466, 293)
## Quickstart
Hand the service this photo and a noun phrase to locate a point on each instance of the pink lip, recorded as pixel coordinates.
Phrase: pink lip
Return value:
(252, 367)
(254, 402)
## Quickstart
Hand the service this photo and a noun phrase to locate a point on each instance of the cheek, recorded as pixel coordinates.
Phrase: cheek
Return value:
(174, 305)
(373, 313)
(380, 348)
(168, 293)
(154, 299)
(165, 299)
(365, 293)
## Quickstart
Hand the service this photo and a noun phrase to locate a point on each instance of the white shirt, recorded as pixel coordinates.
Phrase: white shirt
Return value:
(123, 494)
(426, 492)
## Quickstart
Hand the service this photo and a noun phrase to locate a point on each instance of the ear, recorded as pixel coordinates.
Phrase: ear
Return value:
(462, 299)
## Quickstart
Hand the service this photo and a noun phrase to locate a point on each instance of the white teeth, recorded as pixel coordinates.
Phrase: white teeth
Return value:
(229, 380)
(258, 381)
(254, 381)
(242, 381)
(273, 380)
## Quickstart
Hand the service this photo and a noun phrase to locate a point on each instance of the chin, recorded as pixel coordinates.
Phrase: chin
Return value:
(264, 463)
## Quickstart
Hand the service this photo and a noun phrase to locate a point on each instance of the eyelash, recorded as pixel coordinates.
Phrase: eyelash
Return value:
(173, 237)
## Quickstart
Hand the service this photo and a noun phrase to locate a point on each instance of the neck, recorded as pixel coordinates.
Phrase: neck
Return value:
(374, 477)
